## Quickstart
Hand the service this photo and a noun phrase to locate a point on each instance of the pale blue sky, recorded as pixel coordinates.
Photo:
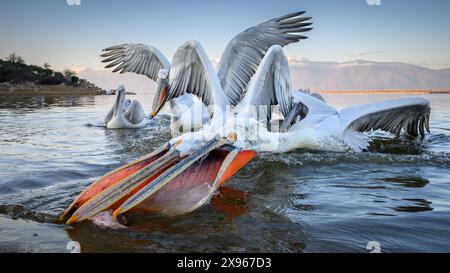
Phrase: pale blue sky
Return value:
(413, 31)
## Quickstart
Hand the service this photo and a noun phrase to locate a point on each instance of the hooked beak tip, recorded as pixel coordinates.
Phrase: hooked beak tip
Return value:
(116, 213)
(72, 219)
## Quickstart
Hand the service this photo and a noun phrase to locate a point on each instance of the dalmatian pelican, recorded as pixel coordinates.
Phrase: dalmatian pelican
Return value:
(125, 113)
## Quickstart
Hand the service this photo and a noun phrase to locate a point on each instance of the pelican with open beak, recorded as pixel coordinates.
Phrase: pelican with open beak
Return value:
(175, 179)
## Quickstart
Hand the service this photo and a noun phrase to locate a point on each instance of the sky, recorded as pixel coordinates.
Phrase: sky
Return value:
(72, 36)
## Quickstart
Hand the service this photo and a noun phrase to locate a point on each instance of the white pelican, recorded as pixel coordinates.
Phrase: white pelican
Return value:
(183, 174)
(325, 128)
(236, 67)
(125, 113)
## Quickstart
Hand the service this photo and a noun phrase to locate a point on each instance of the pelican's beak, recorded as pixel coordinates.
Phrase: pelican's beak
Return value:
(129, 186)
(118, 103)
(298, 109)
(161, 97)
(113, 179)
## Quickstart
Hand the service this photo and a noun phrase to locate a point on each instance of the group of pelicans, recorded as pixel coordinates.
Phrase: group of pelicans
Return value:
(223, 119)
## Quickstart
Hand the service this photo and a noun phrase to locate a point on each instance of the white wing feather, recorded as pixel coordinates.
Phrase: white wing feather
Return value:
(193, 73)
(271, 85)
(245, 51)
(316, 107)
(134, 112)
(138, 58)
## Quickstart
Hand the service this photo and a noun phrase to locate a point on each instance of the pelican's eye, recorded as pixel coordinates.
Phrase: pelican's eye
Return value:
(178, 143)
(232, 137)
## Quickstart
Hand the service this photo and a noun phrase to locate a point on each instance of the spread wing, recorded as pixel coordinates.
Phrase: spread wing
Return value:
(192, 72)
(411, 114)
(245, 51)
(137, 58)
(271, 85)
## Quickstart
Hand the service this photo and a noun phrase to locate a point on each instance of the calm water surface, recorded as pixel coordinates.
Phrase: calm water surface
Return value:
(397, 194)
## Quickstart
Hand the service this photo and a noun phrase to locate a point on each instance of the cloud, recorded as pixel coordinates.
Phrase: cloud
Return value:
(297, 59)
(215, 61)
(73, 2)
(360, 54)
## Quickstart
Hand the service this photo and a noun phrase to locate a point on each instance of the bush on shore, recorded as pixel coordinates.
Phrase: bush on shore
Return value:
(14, 70)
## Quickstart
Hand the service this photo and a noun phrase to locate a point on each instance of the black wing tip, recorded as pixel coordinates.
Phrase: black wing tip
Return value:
(108, 66)
(307, 29)
(289, 15)
(114, 47)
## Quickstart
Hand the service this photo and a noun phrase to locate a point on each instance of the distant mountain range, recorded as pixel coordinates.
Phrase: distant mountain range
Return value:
(445, 72)
(363, 75)
(356, 75)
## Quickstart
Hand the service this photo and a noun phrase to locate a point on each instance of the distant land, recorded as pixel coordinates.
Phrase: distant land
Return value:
(20, 79)
(360, 76)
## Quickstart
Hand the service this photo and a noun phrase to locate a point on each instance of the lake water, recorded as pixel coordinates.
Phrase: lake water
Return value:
(397, 194)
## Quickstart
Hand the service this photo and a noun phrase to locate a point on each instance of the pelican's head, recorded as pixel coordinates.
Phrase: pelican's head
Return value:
(121, 89)
(176, 178)
(161, 96)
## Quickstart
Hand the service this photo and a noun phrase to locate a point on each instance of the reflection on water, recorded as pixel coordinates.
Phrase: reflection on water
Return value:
(410, 182)
(395, 193)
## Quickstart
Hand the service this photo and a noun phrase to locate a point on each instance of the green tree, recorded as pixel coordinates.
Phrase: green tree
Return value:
(20, 60)
(15, 59)
(12, 58)
(47, 66)
(68, 74)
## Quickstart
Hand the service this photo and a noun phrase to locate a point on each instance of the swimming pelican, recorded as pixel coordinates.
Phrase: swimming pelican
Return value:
(325, 128)
(125, 113)
(236, 67)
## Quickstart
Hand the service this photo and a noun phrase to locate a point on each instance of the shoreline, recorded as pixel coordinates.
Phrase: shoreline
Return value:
(48, 90)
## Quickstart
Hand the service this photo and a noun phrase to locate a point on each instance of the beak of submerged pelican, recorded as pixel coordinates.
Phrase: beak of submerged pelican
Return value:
(130, 185)
(161, 97)
(298, 109)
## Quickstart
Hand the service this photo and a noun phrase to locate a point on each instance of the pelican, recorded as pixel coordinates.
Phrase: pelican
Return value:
(184, 173)
(327, 129)
(236, 67)
(125, 113)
